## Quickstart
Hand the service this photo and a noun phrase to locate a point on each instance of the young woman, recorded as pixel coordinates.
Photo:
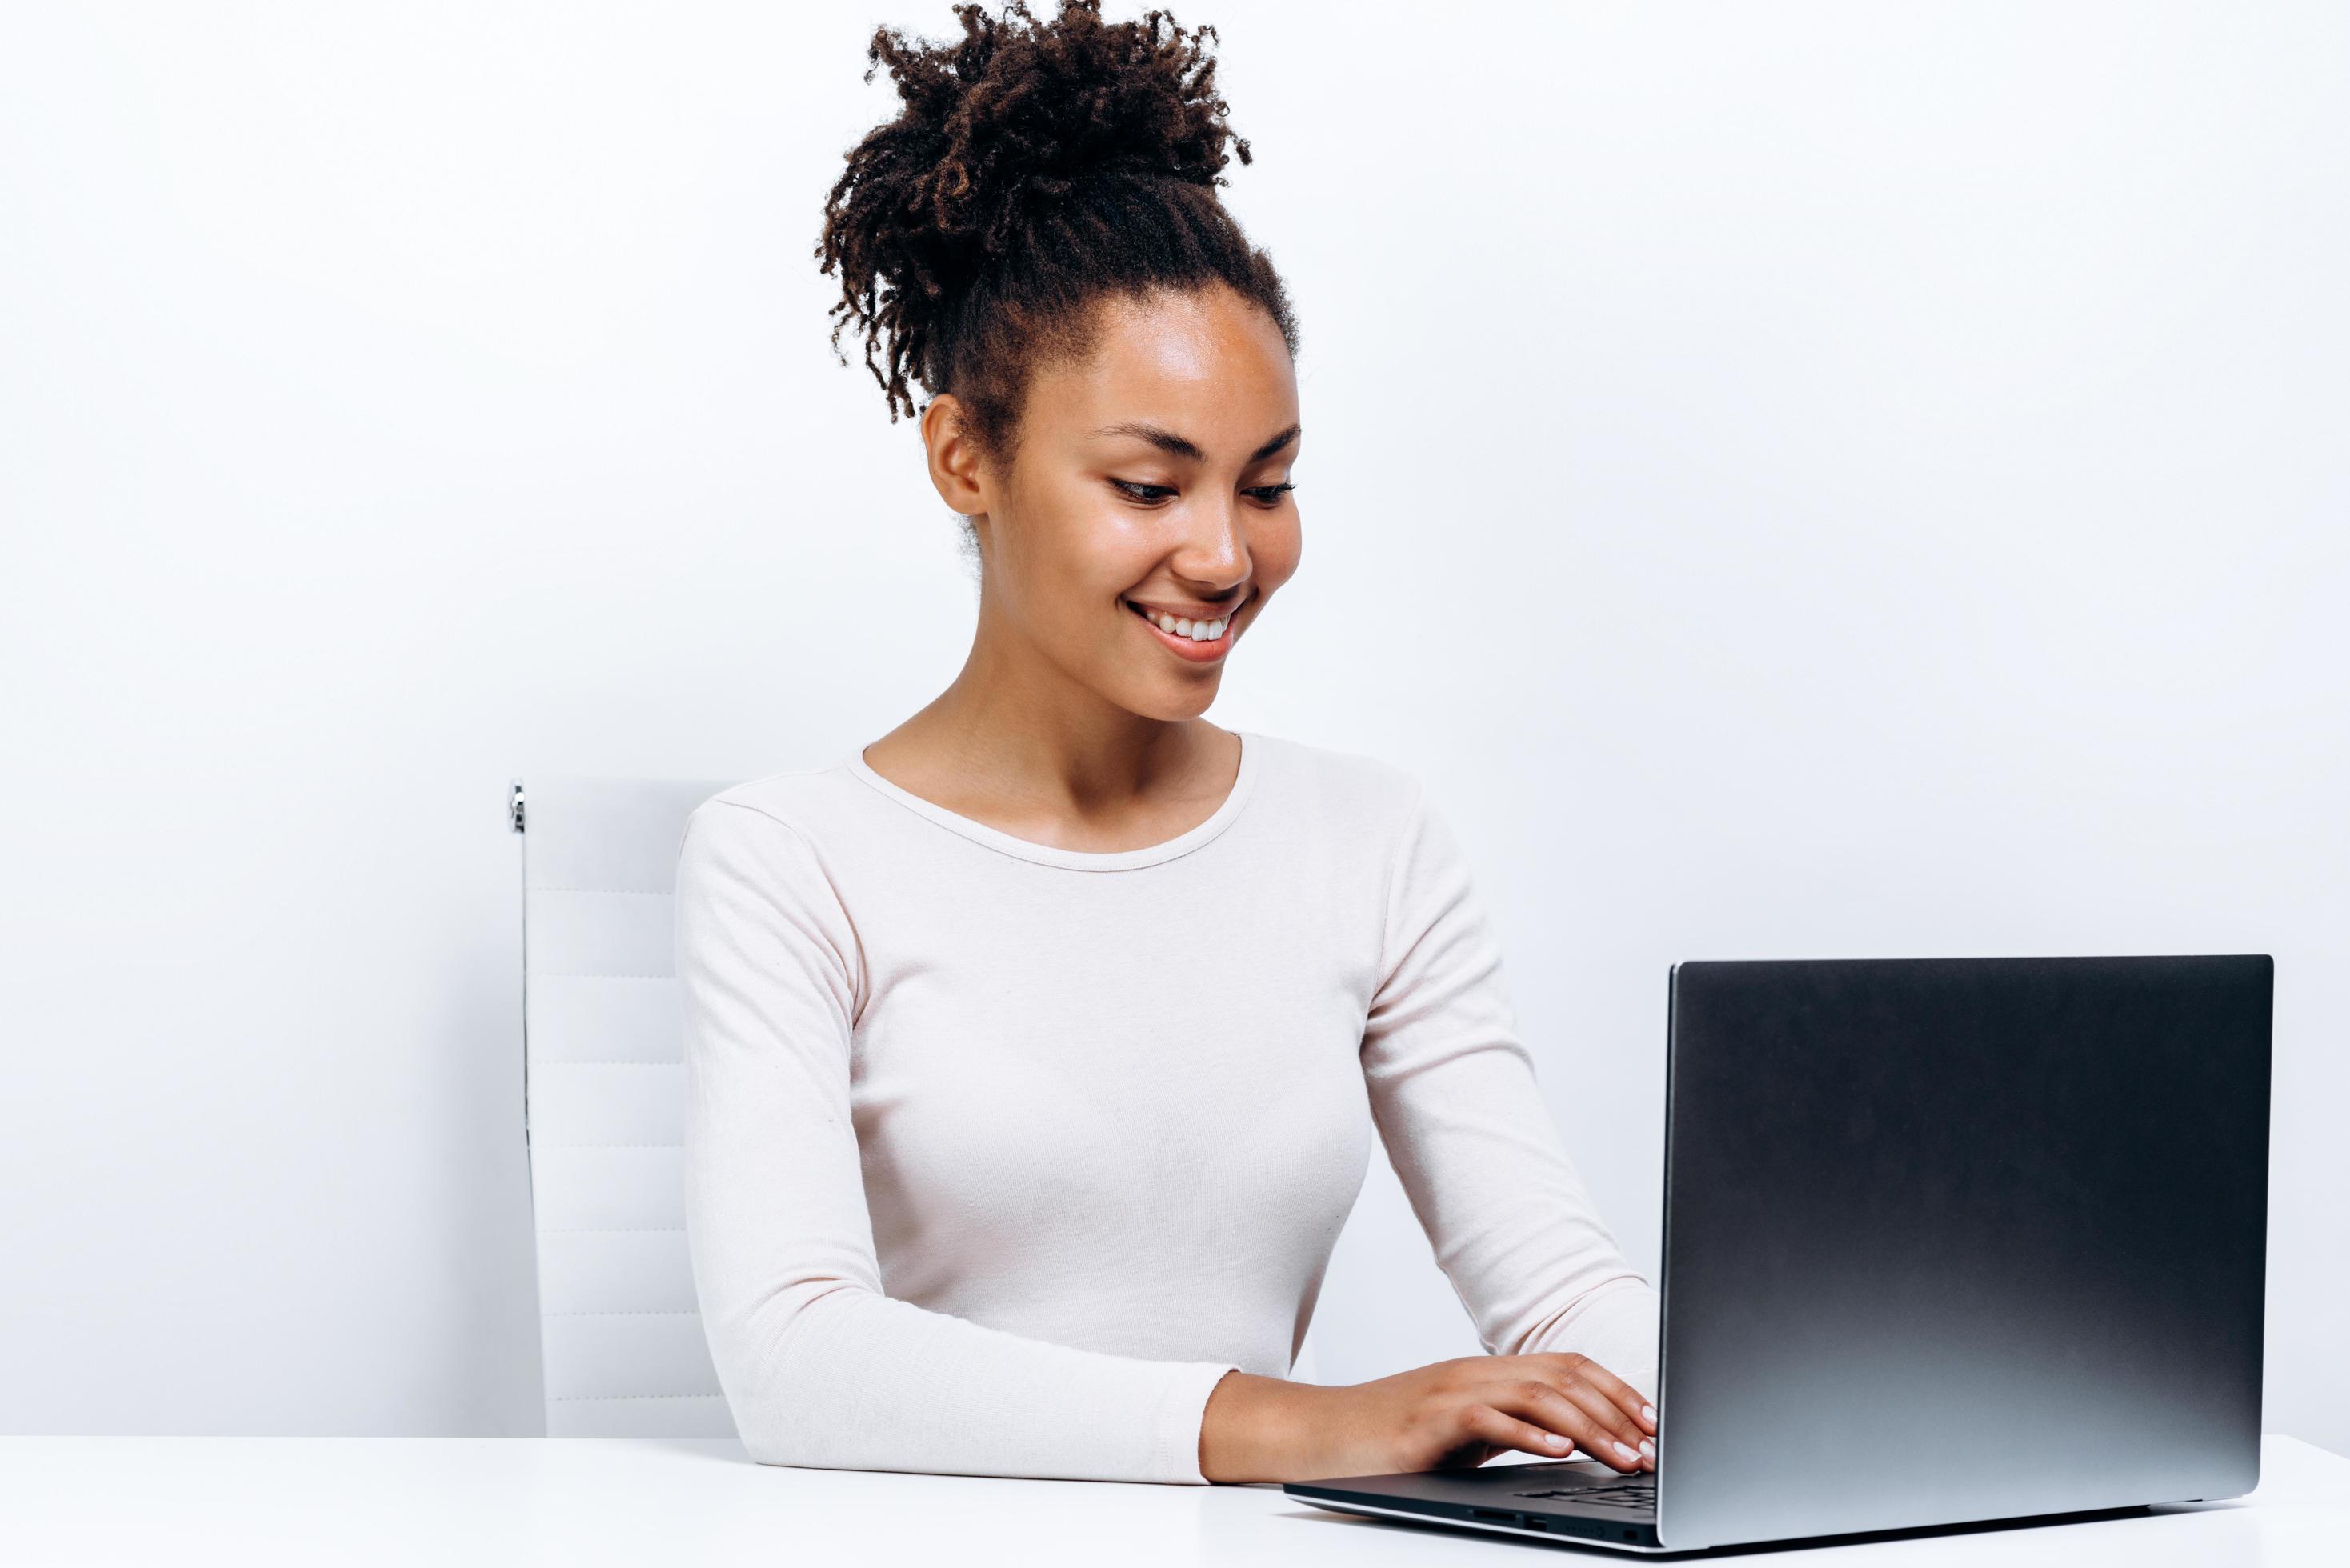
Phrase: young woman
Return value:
(1036, 1049)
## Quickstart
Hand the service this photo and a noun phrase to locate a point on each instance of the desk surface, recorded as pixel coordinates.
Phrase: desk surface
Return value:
(581, 1501)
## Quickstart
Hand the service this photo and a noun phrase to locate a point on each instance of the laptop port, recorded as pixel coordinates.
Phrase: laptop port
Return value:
(1496, 1515)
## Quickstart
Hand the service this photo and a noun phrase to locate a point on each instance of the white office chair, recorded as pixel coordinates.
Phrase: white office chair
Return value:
(604, 1086)
(604, 1083)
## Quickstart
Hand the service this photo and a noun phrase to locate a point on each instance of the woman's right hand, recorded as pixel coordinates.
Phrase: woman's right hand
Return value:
(1452, 1414)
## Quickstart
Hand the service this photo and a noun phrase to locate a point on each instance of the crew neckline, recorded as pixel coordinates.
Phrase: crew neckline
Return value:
(1252, 750)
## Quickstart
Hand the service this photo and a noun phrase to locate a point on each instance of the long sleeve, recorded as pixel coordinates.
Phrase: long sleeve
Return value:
(819, 1366)
(1453, 1090)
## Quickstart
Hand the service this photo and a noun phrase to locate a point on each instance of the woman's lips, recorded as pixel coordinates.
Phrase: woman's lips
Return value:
(1198, 650)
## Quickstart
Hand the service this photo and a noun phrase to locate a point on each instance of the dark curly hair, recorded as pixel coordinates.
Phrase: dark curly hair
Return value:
(1034, 168)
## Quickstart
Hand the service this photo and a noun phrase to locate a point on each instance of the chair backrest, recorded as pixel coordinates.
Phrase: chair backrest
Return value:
(604, 1089)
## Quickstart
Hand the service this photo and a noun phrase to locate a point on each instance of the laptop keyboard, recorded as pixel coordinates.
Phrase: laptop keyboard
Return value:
(1637, 1494)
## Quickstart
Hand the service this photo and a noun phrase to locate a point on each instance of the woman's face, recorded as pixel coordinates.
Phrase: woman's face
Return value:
(1152, 474)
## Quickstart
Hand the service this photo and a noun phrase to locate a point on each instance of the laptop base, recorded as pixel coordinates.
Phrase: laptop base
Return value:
(1623, 1535)
(1616, 1534)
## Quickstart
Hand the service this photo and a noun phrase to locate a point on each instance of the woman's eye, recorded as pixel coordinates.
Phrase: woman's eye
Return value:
(1134, 490)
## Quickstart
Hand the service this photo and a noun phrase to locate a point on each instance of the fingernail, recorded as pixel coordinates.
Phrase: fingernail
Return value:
(1554, 1441)
(1627, 1453)
(1649, 1414)
(1647, 1448)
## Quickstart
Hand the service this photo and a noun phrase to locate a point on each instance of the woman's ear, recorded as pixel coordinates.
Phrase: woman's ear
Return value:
(955, 470)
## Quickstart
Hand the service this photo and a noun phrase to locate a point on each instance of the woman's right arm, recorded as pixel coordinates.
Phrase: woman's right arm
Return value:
(819, 1366)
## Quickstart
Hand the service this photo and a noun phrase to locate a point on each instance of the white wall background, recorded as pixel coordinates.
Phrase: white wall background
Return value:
(1830, 480)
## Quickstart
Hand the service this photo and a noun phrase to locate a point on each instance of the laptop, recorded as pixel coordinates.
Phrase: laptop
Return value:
(1946, 1241)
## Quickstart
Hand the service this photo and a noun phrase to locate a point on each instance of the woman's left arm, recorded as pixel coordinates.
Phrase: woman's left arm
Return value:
(1452, 1090)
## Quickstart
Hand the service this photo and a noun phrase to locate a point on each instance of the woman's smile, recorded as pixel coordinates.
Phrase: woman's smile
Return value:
(1188, 637)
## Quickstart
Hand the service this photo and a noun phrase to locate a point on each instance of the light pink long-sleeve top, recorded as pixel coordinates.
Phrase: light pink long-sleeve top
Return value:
(998, 1155)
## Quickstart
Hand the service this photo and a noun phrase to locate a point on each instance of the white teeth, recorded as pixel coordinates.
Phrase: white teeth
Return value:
(1178, 626)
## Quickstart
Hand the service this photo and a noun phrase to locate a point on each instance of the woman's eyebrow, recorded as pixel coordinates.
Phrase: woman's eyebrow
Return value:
(1166, 441)
(1275, 445)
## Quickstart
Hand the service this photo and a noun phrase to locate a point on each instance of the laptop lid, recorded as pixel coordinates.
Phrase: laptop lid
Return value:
(1959, 1239)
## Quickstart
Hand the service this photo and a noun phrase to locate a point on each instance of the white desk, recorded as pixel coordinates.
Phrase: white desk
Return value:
(581, 1501)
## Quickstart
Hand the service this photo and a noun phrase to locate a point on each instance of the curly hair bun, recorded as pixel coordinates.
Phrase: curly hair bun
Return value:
(1026, 110)
(1034, 165)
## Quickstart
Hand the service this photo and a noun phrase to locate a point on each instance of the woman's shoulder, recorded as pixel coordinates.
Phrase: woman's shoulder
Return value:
(808, 803)
(1336, 783)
